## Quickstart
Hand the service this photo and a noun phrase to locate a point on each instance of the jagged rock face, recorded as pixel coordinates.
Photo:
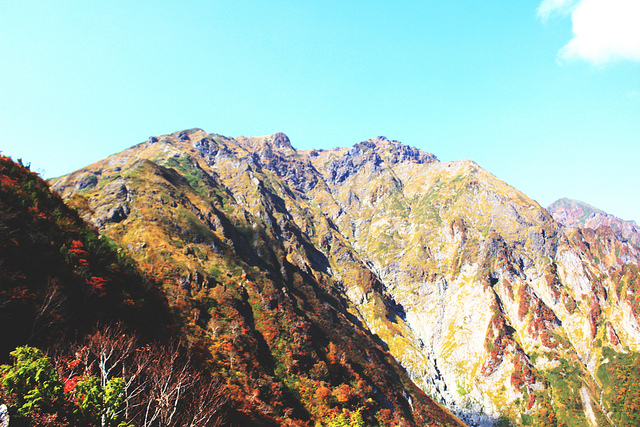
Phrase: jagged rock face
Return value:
(493, 291)
(488, 303)
(573, 213)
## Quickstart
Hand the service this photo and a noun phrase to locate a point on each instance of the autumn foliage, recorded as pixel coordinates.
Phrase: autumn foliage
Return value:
(621, 386)
(109, 380)
(58, 276)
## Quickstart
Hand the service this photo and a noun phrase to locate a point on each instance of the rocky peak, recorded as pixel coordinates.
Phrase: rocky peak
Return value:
(189, 134)
(381, 139)
(373, 154)
(394, 152)
(279, 140)
(267, 143)
(353, 160)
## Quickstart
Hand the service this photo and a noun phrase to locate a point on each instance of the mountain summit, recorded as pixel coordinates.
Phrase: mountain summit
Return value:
(322, 261)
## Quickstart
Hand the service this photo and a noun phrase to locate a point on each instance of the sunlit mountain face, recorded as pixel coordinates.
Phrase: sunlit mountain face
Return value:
(374, 278)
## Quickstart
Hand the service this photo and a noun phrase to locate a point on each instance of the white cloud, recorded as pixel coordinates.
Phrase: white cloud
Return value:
(551, 7)
(604, 30)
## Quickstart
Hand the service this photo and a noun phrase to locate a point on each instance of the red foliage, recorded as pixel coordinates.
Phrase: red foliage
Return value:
(33, 210)
(517, 379)
(569, 303)
(98, 285)
(507, 286)
(70, 384)
(496, 342)
(594, 317)
(525, 301)
(19, 293)
(5, 180)
(551, 278)
(77, 248)
(522, 373)
(613, 337)
(531, 401)
(544, 321)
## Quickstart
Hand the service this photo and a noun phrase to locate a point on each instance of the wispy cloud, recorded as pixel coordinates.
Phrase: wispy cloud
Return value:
(604, 30)
(552, 7)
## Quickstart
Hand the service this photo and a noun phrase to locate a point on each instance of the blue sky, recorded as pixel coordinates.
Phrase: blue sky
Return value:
(543, 94)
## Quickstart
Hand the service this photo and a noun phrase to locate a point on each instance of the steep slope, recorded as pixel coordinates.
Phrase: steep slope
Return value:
(211, 218)
(58, 277)
(499, 297)
(489, 304)
(92, 339)
(574, 213)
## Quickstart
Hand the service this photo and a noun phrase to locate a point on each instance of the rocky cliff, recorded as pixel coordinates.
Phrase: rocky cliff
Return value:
(490, 305)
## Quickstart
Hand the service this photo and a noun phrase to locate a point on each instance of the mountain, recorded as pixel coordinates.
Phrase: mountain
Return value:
(332, 264)
(574, 213)
(235, 250)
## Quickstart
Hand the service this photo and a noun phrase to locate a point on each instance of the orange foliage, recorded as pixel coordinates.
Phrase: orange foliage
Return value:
(323, 392)
(344, 393)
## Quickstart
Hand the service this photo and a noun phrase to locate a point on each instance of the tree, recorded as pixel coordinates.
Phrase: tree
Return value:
(33, 381)
(112, 349)
(38, 395)
(176, 393)
(49, 308)
(151, 385)
(102, 403)
(205, 406)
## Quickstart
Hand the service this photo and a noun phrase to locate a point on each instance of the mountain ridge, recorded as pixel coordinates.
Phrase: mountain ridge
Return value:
(574, 213)
(479, 293)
